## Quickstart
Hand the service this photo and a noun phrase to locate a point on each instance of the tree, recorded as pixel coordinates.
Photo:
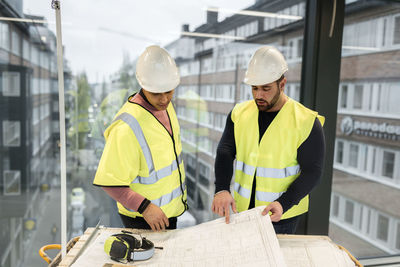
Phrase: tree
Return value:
(80, 118)
(126, 74)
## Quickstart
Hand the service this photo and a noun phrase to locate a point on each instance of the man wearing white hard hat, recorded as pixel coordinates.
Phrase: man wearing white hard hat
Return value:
(141, 166)
(278, 145)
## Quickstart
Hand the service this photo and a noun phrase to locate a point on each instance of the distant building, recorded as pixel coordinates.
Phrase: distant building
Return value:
(29, 127)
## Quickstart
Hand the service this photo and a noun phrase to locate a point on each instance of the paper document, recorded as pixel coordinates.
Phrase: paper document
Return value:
(248, 240)
(310, 251)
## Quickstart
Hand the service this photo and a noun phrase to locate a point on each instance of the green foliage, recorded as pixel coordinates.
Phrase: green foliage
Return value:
(80, 112)
(107, 111)
(126, 73)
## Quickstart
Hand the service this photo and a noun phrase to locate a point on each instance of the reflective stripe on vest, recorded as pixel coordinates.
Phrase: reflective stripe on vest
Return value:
(244, 192)
(267, 172)
(261, 196)
(154, 176)
(268, 196)
(137, 130)
(165, 199)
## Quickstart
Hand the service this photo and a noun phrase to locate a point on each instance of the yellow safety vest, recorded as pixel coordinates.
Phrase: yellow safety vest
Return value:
(159, 169)
(274, 159)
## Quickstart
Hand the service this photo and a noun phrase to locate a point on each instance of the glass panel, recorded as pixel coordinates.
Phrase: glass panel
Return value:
(396, 32)
(100, 57)
(398, 236)
(336, 206)
(383, 228)
(353, 155)
(349, 212)
(388, 164)
(339, 152)
(343, 99)
(358, 96)
(369, 120)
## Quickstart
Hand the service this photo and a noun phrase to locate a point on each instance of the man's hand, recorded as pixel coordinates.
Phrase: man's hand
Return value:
(276, 209)
(221, 203)
(155, 217)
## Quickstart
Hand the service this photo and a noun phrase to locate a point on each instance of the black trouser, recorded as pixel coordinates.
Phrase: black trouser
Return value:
(287, 226)
(140, 223)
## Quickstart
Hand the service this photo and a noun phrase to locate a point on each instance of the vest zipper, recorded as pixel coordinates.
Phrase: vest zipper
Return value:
(179, 168)
(176, 155)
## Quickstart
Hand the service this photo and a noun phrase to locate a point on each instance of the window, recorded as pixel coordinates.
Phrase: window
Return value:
(225, 92)
(207, 65)
(12, 183)
(373, 160)
(378, 102)
(339, 152)
(35, 54)
(335, 206)
(388, 164)
(11, 133)
(26, 49)
(247, 29)
(16, 46)
(349, 212)
(209, 43)
(56, 127)
(390, 96)
(365, 155)
(300, 47)
(204, 174)
(11, 83)
(207, 92)
(371, 97)
(44, 60)
(382, 228)
(343, 97)
(35, 116)
(353, 159)
(398, 237)
(369, 221)
(55, 106)
(358, 96)
(206, 118)
(4, 36)
(289, 54)
(205, 145)
(396, 32)
(191, 166)
(191, 188)
(245, 92)
(219, 121)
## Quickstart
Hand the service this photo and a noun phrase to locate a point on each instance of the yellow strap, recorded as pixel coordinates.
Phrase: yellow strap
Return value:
(358, 264)
(43, 254)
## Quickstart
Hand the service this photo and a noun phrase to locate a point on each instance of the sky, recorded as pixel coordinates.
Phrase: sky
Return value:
(97, 33)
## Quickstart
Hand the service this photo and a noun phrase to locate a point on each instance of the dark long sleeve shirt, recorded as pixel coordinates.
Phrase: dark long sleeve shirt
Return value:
(310, 156)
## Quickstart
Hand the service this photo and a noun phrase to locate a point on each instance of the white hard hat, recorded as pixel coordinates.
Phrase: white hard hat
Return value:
(156, 70)
(266, 66)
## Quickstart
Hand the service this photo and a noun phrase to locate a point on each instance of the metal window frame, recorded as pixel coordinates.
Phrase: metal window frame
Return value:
(319, 91)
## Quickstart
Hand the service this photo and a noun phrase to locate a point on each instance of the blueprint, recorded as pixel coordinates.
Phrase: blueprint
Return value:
(305, 251)
(248, 240)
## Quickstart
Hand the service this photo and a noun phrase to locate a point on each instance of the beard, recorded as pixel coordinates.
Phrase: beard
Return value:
(270, 104)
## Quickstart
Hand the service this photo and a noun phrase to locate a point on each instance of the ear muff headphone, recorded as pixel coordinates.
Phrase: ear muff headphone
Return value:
(127, 247)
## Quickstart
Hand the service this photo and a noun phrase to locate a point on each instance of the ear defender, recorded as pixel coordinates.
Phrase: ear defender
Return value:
(125, 247)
